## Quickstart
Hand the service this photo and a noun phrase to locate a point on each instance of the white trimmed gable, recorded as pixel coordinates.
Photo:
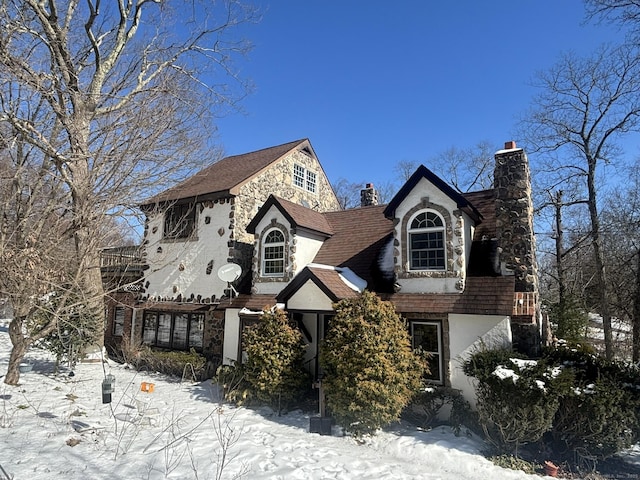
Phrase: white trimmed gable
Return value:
(430, 259)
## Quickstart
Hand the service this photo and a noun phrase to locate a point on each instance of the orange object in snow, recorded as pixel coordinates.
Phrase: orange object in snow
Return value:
(147, 387)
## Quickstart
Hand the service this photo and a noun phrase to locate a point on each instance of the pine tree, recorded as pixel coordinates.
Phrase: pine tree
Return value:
(274, 367)
(371, 372)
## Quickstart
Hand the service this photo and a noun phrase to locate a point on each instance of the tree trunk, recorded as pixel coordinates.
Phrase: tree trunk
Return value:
(86, 217)
(19, 350)
(600, 271)
(636, 314)
(562, 287)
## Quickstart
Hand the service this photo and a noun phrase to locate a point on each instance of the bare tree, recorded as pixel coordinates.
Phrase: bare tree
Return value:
(466, 169)
(404, 169)
(125, 96)
(348, 193)
(584, 107)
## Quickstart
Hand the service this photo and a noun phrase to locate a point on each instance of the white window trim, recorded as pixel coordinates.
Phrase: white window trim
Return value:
(304, 178)
(411, 231)
(274, 244)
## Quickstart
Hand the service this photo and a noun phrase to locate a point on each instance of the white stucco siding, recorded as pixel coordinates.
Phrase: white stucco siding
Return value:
(307, 247)
(309, 297)
(458, 234)
(467, 333)
(189, 267)
(231, 336)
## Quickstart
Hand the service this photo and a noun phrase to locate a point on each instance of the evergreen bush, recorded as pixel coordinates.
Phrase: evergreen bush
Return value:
(371, 372)
(427, 406)
(571, 320)
(586, 407)
(516, 398)
(599, 414)
(275, 355)
(76, 326)
(172, 362)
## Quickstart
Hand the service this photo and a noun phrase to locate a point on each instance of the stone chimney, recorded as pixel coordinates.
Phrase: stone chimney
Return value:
(514, 226)
(368, 196)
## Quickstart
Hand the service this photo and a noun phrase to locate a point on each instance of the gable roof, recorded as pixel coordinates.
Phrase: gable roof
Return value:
(424, 172)
(297, 215)
(358, 238)
(227, 175)
(328, 280)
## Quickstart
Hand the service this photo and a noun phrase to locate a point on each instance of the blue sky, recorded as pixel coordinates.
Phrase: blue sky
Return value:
(372, 83)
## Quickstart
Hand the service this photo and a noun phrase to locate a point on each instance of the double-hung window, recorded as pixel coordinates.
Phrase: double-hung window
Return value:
(273, 254)
(427, 242)
(305, 178)
(427, 336)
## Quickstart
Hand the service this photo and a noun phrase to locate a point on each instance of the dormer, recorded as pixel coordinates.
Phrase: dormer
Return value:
(287, 238)
(433, 231)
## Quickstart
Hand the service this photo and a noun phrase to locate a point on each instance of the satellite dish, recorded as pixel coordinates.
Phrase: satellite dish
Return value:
(229, 272)
(304, 203)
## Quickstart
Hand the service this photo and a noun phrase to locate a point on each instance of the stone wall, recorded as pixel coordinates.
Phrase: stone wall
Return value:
(514, 226)
(514, 217)
(278, 179)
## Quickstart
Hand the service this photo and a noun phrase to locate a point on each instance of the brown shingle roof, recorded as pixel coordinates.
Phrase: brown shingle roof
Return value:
(225, 175)
(252, 302)
(359, 235)
(330, 278)
(481, 296)
(298, 216)
(327, 279)
(484, 201)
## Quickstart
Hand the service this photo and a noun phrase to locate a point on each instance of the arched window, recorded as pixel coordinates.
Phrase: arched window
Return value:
(427, 242)
(273, 254)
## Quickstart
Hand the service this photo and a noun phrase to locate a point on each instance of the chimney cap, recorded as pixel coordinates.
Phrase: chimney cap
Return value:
(510, 145)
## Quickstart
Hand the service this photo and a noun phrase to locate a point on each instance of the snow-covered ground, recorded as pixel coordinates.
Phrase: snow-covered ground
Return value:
(56, 427)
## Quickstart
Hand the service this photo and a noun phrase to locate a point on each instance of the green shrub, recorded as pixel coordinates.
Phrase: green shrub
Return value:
(513, 463)
(76, 326)
(588, 407)
(371, 373)
(516, 399)
(175, 363)
(599, 414)
(275, 354)
(426, 407)
(235, 388)
(571, 320)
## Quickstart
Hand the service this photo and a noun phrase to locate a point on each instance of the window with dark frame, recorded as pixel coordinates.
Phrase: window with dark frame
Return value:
(427, 242)
(118, 321)
(179, 221)
(427, 336)
(176, 331)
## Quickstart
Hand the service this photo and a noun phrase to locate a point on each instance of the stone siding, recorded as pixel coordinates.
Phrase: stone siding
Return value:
(278, 179)
(514, 218)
